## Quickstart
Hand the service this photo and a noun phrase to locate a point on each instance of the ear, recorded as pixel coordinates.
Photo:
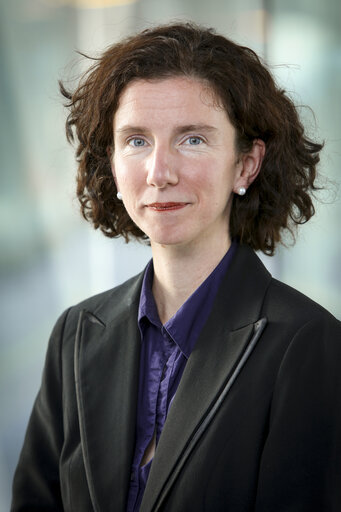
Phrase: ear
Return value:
(250, 165)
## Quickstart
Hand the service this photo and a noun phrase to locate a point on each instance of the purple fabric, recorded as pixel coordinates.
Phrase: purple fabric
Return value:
(164, 353)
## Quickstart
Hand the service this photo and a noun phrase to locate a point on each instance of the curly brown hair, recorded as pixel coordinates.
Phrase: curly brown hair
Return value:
(280, 197)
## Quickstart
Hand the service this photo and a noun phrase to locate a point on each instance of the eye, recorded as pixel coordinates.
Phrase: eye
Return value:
(194, 140)
(136, 142)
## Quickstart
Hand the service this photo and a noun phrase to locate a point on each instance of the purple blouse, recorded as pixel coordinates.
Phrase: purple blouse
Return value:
(165, 350)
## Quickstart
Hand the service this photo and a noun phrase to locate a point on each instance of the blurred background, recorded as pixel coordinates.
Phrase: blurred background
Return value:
(51, 258)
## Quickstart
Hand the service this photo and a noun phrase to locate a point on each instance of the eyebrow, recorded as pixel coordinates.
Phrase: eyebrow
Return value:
(195, 128)
(129, 128)
(178, 130)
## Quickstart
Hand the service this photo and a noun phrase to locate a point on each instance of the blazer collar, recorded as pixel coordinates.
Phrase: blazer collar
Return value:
(107, 351)
(223, 347)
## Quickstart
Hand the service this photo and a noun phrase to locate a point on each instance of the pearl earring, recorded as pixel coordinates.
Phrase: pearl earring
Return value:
(119, 196)
(242, 191)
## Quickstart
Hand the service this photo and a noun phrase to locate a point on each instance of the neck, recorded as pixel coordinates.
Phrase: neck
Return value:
(179, 271)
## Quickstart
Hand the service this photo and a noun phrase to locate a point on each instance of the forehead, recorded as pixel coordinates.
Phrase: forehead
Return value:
(172, 98)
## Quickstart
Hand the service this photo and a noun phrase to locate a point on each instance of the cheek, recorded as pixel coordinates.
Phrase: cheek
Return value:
(218, 189)
(122, 173)
(214, 178)
(128, 168)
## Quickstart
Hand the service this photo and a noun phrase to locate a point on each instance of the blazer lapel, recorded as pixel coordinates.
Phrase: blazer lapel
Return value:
(106, 373)
(224, 345)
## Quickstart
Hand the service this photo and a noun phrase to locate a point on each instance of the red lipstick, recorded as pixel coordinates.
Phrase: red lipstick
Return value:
(163, 207)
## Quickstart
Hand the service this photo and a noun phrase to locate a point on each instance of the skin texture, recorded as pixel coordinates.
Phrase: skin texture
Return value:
(176, 166)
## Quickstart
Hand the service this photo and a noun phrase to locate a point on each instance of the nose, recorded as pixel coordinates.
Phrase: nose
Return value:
(161, 168)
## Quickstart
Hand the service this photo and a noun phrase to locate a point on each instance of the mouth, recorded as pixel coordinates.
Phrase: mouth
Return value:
(163, 207)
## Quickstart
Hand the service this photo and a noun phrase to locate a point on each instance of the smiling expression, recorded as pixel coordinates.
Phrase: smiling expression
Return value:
(175, 161)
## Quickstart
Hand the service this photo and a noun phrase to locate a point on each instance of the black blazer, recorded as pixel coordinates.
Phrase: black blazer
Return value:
(255, 424)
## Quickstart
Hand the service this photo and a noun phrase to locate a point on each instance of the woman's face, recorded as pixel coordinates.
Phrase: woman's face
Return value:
(175, 161)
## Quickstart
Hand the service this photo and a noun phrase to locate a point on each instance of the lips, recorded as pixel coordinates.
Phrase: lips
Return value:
(162, 207)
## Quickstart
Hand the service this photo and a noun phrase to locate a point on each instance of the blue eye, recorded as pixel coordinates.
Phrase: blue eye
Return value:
(136, 142)
(194, 141)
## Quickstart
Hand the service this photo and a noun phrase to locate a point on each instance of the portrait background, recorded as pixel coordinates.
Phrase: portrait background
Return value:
(50, 258)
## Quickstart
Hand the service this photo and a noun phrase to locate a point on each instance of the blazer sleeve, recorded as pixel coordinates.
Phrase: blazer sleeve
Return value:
(36, 483)
(301, 461)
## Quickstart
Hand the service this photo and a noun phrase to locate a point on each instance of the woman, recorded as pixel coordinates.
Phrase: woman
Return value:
(203, 383)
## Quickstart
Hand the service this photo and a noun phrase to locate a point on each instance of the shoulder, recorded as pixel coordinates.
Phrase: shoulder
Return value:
(283, 300)
(120, 296)
(278, 302)
(105, 306)
(293, 319)
(302, 326)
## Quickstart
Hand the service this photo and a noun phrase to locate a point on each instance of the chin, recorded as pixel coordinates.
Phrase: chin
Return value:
(167, 238)
(166, 241)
